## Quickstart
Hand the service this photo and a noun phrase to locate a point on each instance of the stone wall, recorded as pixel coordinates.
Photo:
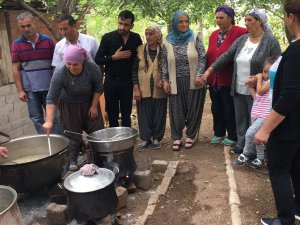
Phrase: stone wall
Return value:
(14, 119)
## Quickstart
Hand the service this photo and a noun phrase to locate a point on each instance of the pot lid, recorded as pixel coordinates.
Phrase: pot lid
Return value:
(82, 184)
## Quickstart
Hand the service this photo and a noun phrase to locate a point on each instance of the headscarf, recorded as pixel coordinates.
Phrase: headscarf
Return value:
(228, 11)
(157, 32)
(75, 54)
(262, 16)
(176, 37)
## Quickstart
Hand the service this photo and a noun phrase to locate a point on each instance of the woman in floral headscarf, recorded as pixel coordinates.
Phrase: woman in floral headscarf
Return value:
(248, 54)
(148, 93)
(183, 63)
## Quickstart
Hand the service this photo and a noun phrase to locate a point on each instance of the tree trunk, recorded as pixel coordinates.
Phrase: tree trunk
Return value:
(51, 28)
(287, 33)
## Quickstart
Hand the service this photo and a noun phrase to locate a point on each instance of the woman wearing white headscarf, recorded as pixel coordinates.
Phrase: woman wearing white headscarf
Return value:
(248, 54)
(148, 93)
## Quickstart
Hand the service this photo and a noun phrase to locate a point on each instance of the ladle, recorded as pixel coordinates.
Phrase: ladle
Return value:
(100, 139)
(49, 145)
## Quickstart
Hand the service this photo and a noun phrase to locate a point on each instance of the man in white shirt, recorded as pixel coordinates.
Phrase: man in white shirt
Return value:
(67, 27)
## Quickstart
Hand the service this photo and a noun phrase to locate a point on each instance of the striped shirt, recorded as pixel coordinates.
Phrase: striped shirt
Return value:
(35, 58)
(261, 106)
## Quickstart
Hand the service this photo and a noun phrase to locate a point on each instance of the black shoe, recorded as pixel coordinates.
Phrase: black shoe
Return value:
(237, 150)
(144, 145)
(270, 221)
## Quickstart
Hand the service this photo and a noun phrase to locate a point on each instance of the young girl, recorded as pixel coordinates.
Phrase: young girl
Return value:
(260, 110)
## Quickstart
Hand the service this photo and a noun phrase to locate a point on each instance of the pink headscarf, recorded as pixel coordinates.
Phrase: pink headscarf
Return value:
(75, 54)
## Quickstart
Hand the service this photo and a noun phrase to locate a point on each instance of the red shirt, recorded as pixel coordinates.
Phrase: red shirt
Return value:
(222, 78)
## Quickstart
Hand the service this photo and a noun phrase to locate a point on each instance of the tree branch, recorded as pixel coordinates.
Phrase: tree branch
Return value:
(51, 28)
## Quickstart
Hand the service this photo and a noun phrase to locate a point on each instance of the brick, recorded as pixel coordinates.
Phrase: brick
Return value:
(36, 223)
(159, 166)
(2, 101)
(57, 214)
(122, 197)
(5, 89)
(11, 98)
(19, 105)
(143, 179)
(29, 129)
(3, 120)
(17, 114)
(16, 132)
(5, 127)
(20, 122)
(5, 110)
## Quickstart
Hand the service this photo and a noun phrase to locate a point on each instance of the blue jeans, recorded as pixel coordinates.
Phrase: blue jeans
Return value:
(36, 106)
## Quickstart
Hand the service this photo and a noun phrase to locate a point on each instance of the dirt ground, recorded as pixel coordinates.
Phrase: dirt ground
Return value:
(199, 192)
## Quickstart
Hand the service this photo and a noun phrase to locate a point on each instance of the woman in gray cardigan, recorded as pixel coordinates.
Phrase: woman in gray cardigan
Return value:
(248, 54)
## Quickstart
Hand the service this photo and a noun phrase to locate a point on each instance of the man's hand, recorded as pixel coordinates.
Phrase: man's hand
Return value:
(3, 152)
(121, 54)
(137, 95)
(22, 96)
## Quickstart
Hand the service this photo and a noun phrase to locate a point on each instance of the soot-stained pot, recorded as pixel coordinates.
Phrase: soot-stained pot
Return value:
(113, 148)
(91, 197)
(36, 174)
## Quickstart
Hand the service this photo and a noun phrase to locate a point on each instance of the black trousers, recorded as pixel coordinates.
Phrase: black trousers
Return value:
(222, 109)
(118, 97)
(284, 168)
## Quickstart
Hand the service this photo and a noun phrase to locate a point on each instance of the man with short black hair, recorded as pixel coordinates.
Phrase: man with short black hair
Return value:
(116, 53)
(31, 56)
(67, 27)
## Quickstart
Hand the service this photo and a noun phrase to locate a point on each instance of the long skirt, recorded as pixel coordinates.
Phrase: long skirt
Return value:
(75, 118)
(186, 108)
(152, 115)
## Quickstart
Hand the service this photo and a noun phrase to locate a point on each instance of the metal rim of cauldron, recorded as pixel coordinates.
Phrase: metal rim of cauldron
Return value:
(34, 136)
(116, 140)
(15, 195)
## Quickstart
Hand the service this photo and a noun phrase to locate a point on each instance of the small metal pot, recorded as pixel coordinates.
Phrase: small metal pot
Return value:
(91, 197)
(9, 210)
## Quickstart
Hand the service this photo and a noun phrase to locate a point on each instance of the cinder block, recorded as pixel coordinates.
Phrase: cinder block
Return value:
(122, 194)
(2, 101)
(19, 105)
(57, 214)
(11, 98)
(105, 221)
(159, 166)
(20, 122)
(16, 132)
(143, 179)
(5, 89)
(16, 114)
(5, 109)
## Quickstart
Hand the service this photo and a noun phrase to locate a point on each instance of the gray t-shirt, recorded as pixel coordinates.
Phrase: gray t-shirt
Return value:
(75, 89)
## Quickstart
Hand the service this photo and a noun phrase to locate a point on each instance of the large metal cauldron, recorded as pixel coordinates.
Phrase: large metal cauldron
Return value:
(30, 176)
(91, 197)
(9, 211)
(113, 148)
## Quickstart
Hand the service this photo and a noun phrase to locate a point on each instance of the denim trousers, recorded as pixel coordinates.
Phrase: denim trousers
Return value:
(36, 105)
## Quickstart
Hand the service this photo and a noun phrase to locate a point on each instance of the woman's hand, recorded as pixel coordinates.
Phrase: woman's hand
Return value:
(48, 127)
(93, 112)
(137, 95)
(200, 81)
(3, 152)
(166, 87)
(261, 137)
(159, 84)
(251, 82)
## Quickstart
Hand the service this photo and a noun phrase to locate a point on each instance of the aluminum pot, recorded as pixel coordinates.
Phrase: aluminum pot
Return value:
(46, 170)
(91, 197)
(9, 211)
(115, 149)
